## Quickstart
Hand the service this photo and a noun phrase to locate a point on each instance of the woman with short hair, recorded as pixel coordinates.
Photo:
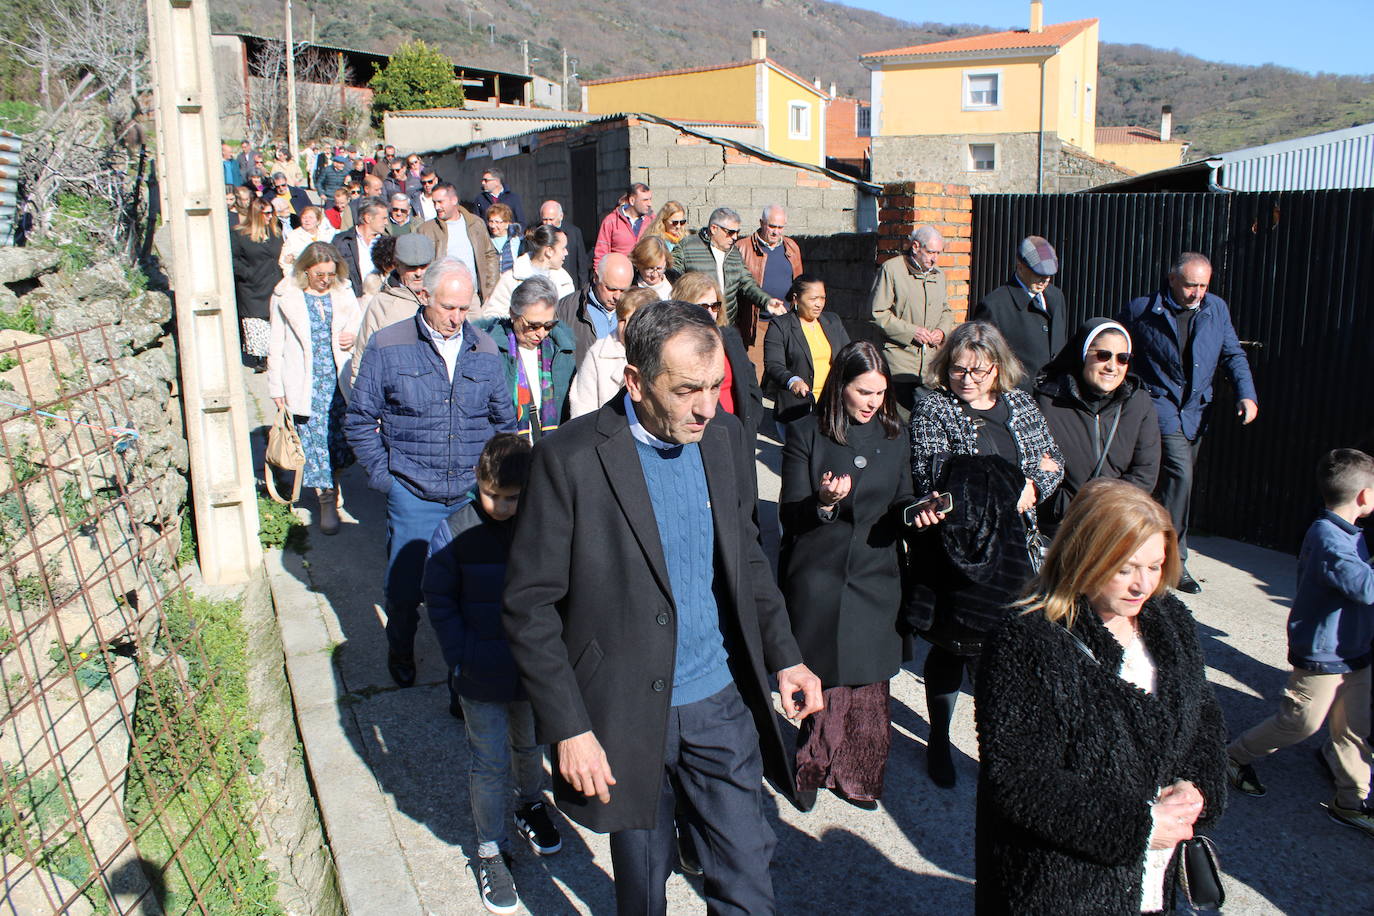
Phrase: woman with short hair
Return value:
(313, 228)
(650, 258)
(540, 356)
(981, 439)
(502, 229)
(1101, 742)
(315, 319)
(546, 248)
(845, 482)
(740, 394)
(255, 250)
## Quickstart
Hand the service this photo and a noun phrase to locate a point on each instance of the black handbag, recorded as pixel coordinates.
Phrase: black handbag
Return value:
(1037, 545)
(1199, 874)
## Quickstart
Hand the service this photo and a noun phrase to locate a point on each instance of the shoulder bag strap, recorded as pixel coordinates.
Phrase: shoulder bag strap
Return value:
(1102, 458)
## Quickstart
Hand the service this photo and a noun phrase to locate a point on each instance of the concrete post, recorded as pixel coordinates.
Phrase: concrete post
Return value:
(222, 480)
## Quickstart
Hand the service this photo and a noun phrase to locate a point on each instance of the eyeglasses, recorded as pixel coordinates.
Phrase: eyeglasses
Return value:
(429, 182)
(654, 270)
(539, 325)
(712, 306)
(320, 275)
(677, 222)
(1102, 356)
(400, 209)
(733, 233)
(959, 372)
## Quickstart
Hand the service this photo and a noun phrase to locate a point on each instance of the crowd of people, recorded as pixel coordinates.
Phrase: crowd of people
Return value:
(566, 441)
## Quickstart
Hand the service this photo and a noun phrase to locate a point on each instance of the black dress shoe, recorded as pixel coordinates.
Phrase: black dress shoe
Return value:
(402, 668)
(804, 799)
(1186, 583)
(940, 765)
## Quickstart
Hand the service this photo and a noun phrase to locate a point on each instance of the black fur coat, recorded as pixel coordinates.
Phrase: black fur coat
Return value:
(1071, 756)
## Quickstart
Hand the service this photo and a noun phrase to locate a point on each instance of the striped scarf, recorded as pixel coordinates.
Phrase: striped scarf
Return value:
(524, 398)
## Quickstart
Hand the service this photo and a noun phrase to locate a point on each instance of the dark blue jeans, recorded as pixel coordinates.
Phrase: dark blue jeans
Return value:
(712, 748)
(410, 523)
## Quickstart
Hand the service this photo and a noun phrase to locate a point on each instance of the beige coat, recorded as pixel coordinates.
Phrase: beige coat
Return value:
(390, 305)
(902, 302)
(598, 378)
(289, 358)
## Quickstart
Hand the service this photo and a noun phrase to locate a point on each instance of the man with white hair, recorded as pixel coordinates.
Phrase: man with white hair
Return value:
(400, 220)
(911, 305)
(773, 259)
(712, 251)
(418, 424)
(577, 263)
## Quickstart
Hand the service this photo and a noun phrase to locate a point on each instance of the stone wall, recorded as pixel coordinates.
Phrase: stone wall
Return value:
(949, 208)
(944, 158)
(702, 175)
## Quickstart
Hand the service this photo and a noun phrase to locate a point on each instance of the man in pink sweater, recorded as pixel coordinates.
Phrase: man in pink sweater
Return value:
(626, 224)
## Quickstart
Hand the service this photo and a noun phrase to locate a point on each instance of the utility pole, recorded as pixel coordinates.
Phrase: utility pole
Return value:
(563, 102)
(525, 56)
(293, 137)
(193, 211)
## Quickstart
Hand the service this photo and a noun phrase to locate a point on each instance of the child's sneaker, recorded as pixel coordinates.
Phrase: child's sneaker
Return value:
(498, 887)
(536, 826)
(1242, 776)
(1361, 818)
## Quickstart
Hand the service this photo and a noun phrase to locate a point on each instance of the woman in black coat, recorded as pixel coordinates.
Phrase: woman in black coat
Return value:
(740, 395)
(1100, 414)
(845, 483)
(1101, 742)
(790, 368)
(255, 248)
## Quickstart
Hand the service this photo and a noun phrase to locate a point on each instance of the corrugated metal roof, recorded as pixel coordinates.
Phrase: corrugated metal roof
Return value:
(1052, 38)
(1327, 161)
(380, 55)
(497, 114)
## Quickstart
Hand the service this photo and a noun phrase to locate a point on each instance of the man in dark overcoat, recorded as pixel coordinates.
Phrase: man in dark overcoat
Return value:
(1030, 310)
(644, 619)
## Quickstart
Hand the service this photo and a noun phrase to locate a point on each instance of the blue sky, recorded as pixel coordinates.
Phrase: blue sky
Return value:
(1333, 36)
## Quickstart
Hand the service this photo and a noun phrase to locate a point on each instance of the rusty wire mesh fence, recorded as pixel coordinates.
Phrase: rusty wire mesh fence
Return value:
(125, 747)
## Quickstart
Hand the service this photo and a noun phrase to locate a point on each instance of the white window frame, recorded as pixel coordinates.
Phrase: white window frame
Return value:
(972, 164)
(969, 76)
(794, 109)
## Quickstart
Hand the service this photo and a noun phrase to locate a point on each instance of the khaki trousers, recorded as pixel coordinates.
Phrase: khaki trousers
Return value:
(1343, 701)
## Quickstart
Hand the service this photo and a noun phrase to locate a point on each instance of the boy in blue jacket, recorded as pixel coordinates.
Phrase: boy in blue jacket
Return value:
(1330, 631)
(465, 573)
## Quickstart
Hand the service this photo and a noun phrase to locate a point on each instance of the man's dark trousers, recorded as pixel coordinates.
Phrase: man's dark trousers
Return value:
(410, 523)
(1175, 488)
(712, 748)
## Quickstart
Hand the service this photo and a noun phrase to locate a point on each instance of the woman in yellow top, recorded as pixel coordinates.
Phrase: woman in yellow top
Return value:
(799, 347)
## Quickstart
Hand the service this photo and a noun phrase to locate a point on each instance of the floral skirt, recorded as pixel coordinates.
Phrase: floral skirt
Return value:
(844, 746)
(322, 439)
(256, 333)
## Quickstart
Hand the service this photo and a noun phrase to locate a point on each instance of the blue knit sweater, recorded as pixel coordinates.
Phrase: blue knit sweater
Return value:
(682, 507)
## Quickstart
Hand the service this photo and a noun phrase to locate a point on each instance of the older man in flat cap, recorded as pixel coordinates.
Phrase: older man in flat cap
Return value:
(401, 296)
(1029, 311)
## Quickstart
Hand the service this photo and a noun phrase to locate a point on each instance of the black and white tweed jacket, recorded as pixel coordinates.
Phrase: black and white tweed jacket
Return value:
(939, 429)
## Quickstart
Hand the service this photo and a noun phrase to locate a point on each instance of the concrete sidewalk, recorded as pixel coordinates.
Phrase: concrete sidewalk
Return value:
(389, 765)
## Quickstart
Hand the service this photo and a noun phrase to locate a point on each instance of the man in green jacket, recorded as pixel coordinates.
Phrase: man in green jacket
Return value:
(712, 251)
(911, 305)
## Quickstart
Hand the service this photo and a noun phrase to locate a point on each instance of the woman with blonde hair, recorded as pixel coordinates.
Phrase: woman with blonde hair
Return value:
(651, 258)
(313, 228)
(315, 319)
(1100, 739)
(979, 437)
(740, 395)
(670, 225)
(603, 368)
(255, 249)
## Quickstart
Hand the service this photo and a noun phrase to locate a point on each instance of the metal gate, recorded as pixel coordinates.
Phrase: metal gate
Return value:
(1296, 268)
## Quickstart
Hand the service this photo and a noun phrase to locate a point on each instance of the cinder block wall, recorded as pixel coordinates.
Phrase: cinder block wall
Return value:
(904, 205)
(702, 175)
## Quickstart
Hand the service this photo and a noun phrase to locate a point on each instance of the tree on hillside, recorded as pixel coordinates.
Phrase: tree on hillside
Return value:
(416, 77)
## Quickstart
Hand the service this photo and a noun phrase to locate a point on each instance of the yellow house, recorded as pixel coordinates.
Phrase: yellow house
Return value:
(1141, 149)
(994, 111)
(790, 110)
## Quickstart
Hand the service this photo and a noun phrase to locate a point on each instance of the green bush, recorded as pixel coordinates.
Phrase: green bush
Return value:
(417, 76)
(279, 527)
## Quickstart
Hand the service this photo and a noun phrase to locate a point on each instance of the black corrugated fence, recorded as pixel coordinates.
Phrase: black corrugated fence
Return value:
(1296, 268)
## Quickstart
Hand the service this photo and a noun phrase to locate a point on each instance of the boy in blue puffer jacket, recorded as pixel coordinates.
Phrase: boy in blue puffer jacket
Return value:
(1330, 629)
(465, 573)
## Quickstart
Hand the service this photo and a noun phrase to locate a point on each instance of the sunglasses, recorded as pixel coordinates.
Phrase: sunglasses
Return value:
(712, 306)
(1103, 356)
(429, 182)
(733, 233)
(540, 325)
(677, 222)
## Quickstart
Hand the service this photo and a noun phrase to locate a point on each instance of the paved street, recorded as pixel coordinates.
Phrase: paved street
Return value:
(389, 765)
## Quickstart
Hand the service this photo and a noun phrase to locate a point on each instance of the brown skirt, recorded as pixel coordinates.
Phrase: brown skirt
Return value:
(844, 746)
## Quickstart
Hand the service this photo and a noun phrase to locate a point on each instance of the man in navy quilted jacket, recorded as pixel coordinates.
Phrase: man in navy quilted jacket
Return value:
(430, 392)
(1182, 335)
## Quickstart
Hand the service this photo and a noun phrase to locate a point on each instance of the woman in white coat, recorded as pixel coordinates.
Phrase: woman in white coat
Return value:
(315, 318)
(603, 368)
(545, 249)
(313, 228)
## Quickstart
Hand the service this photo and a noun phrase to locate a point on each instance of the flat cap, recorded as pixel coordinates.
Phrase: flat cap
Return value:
(1038, 254)
(414, 250)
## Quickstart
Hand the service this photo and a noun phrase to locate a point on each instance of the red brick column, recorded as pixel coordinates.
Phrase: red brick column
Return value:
(904, 205)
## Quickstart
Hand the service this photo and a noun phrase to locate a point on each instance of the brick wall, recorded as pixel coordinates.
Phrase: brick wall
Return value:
(904, 205)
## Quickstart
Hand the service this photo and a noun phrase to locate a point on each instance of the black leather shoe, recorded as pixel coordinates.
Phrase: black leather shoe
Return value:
(805, 800)
(1186, 583)
(687, 858)
(940, 764)
(402, 668)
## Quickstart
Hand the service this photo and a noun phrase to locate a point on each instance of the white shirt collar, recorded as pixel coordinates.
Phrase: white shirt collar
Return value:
(449, 347)
(640, 433)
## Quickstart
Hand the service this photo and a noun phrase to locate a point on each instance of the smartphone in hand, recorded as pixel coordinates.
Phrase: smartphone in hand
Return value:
(940, 503)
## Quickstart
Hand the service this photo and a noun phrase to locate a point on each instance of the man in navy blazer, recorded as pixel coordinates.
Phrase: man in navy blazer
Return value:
(1029, 311)
(1179, 335)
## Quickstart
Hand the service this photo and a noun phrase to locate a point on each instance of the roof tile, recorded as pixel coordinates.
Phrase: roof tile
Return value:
(1054, 36)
